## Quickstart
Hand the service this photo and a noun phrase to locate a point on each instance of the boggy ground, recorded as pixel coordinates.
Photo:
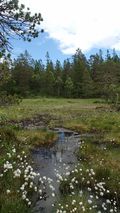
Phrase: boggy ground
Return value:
(26, 125)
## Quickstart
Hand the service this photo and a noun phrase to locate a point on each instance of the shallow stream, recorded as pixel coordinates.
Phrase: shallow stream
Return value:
(58, 159)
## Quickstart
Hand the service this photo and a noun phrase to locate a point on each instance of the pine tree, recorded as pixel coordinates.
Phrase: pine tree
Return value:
(79, 66)
(22, 73)
(16, 22)
(68, 87)
(49, 79)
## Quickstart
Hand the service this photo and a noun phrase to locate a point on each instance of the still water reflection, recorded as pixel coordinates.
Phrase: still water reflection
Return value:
(57, 159)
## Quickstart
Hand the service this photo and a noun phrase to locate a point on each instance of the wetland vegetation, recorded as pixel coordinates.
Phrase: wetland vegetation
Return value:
(93, 183)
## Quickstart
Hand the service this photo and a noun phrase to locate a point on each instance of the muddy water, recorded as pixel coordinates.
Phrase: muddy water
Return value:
(58, 159)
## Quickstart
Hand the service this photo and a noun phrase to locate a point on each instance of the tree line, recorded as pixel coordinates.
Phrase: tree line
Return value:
(77, 77)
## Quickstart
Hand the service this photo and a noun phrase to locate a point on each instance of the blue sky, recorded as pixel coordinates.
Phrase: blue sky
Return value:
(71, 24)
(39, 47)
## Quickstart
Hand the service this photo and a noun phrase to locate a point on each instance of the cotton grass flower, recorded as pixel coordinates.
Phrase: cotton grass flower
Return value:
(8, 191)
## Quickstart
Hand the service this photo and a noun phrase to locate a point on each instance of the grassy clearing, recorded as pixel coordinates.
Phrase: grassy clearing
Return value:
(30, 107)
(99, 153)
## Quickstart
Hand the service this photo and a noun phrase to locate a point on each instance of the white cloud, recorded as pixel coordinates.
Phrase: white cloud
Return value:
(83, 24)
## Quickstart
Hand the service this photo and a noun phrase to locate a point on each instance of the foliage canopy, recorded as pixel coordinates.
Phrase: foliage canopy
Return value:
(16, 21)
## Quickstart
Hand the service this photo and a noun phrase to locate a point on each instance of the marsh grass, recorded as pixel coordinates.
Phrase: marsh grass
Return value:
(97, 165)
(14, 204)
(15, 146)
(29, 107)
(9, 202)
(36, 137)
(100, 152)
(75, 203)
